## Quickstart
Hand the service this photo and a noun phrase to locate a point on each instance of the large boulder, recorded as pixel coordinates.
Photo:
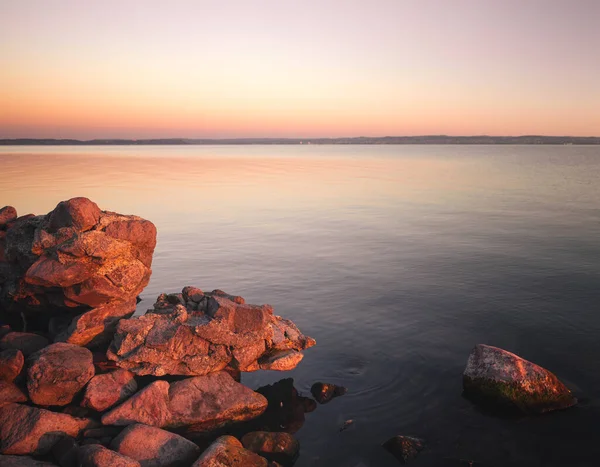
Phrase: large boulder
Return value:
(29, 430)
(196, 333)
(58, 372)
(500, 377)
(11, 364)
(228, 451)
(203, 403)
(106, 390)
(153, 447)
(8, 214)
(57, 270)
(96, 455)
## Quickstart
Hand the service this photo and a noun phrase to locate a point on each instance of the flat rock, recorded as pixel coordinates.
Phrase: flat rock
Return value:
(497, 376)
(26, 342)
(196, 333)
(278, 447)
(404, 448)
(29, 430)
(153, 447)
(96, 455)
(23, 461)
(106, 390)
(11, 364)
(228, 451)
(10, 393)
(58, 372)
(202, 403)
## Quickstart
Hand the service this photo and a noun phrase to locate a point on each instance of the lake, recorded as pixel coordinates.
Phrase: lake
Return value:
(396, 259)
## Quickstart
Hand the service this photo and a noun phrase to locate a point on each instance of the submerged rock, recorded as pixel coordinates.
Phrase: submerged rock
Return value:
(278, 447)
(324, 392)
(497, 376)
(29, 430)
(228, 451)
(153, 447)
(404, 448)
(58, 372)
(203, 403)
(196, 333)
(75, 271)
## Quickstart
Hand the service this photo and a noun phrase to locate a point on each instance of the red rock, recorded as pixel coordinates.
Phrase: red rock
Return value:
(10, 393)
(140, 232)
(80, 213)
(278, 447)
(96, 455)
(96, 327)
(11, 364)
(29, 430)
(26, 342)
(203, 403)
(107, 390)
(58, 372)
(23, 461)
(153, 447)
(280, 360)
(500, 377)
(7, 214)
(50, 272)
(228, 451)
(149, 406)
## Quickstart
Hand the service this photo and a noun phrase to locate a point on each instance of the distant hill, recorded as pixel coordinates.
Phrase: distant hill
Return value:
(427, 139)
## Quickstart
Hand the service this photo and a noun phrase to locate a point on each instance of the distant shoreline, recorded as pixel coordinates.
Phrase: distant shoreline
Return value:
(428, 139)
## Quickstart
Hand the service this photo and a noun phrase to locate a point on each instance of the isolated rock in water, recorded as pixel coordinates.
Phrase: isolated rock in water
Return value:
(228, 451)
(324, 392)
(203, 403)
(153, 447)
(196, 333)
(71, 262)
(501, 377)
(96, 455)
(106, 390)
(57, 373)
(10, 393)
(279, 447)
(404, 448)
(29, 430)
(11, 364)
(26, 342)
(23, 461)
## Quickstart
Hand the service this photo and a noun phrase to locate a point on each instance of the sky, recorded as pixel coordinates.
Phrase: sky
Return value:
(286, 68)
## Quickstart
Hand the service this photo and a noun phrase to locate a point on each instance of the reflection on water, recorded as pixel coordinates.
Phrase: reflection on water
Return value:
(397, 259)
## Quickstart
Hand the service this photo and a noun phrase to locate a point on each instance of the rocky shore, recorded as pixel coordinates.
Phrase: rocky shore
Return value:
(84, 383)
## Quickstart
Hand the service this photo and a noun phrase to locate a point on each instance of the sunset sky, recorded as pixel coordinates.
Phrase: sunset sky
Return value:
(268, 68)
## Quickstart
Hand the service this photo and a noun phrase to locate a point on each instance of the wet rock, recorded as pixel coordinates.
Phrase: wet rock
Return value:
(324, 392)
(57, 373)
(65, 452)
(79, 263)
(228, 451)
(196, 333)
(23, 461)
(7, 214)
(10, 393)
(96, 455)
(278, 447)
(203, 403)
(496, 376)
(153, 447)
(11, 364)
(404, 448)
(26, 342)
(29, 430)
(106, 390)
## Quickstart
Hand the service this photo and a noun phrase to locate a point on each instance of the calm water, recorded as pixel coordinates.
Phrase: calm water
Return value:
(397, 259)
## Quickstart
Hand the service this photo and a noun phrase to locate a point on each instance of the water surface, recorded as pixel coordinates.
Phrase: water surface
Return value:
(396, 259)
